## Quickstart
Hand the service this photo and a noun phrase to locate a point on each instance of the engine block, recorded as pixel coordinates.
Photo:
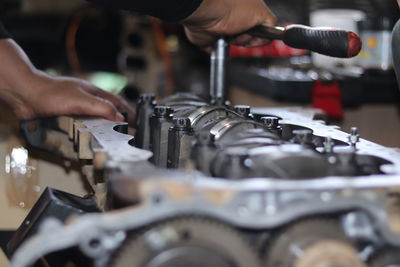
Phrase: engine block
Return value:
(214, 185)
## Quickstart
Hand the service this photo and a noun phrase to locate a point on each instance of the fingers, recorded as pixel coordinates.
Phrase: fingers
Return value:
(102, 108)
(269, 18)
(256, 42)
(242, 39)
(228, 18)
(200, 38)
(249, 41)
(116, 100)
(86, 104)
(67, 97)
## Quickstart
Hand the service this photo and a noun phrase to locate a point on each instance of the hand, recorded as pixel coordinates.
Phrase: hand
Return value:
(46, 96)
(228, 17)
(31, 93)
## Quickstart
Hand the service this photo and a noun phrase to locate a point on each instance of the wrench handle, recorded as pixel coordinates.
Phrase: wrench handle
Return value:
(327, 41)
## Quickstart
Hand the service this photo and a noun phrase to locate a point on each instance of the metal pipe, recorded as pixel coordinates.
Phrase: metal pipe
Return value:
(219, 57)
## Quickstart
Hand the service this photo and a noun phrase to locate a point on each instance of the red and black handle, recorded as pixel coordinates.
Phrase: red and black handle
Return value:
(327, 41)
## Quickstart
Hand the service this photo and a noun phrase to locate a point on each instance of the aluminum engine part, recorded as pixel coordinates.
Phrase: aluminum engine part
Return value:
(273, 181)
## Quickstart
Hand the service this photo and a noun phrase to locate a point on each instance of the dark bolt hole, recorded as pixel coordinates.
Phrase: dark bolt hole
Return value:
(94, 243)
(185, 235)
(157, 199)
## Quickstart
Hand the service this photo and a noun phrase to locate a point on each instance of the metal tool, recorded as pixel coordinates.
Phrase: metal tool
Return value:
(327, 41)
(219, 58)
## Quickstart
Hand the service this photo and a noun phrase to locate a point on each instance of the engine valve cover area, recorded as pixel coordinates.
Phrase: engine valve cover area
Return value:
(215, 185)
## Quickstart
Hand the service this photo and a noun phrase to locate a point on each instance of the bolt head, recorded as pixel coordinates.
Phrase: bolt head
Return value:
(329, 144)
(182, 123)
(243, 110)
(303, 136)
(354, 137)
(162, 111)
(147, 97)
(270, 122)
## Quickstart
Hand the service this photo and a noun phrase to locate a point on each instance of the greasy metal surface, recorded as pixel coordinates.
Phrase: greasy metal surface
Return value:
(257, 204)
(192, 241)
(116, 145)
(296, 116)
(249, 209)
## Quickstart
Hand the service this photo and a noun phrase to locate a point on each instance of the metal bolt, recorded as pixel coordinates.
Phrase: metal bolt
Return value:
(218, 72)
(303, 136)
(354, 137)
(182, 123)
(243, 110)
(248, 163)
(162, 111)
(147, 97)
(329, 144)
(271, 122)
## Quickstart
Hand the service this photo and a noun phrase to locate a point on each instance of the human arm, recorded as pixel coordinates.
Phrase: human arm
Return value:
(205, 20)
(31, 93)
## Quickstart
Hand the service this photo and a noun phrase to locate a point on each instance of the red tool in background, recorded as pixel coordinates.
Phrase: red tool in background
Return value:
(327, 41)
(294, 39)
(327, 96)
(276, 49)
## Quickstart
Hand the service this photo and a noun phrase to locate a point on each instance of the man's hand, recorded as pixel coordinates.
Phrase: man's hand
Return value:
(31, 93)
(50, 96)
(228, 17)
